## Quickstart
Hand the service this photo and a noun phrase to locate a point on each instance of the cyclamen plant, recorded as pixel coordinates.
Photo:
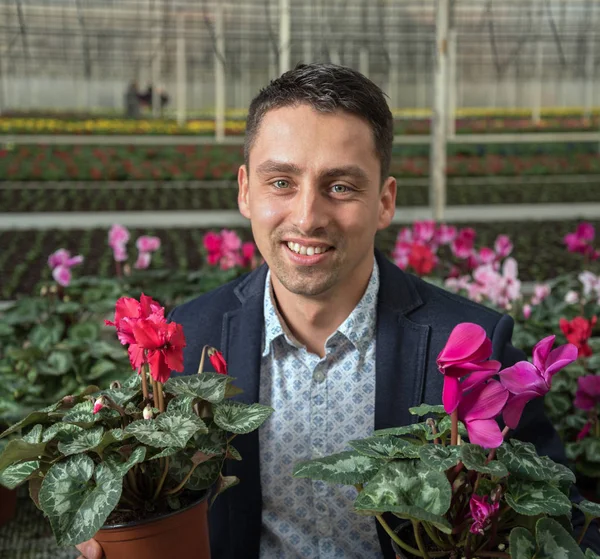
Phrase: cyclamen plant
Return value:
(142, 447)
(490, 497)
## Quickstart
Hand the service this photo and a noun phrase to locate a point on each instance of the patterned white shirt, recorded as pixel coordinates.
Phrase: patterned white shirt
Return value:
(320, 404)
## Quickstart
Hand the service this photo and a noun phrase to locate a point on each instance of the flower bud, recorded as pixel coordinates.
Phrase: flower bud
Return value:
(43, 291)
(496, 493)
(98, 404)
(147, 413)
(66, 298)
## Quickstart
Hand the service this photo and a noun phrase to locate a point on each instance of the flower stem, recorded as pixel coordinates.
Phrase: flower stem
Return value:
(395, 537)
(133, 483)
(434, 537)
(419, 538)
(183, 482)
(145, 368)
(454, 431)
(492, 453)
(162, 479)
(201, 366)
(493, 554)
(161, 396)
(586, 525)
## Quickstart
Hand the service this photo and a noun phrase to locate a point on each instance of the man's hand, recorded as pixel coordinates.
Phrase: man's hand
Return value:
(90, 550)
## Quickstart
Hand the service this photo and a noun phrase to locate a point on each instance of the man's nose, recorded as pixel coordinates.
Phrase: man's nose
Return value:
(310, 211)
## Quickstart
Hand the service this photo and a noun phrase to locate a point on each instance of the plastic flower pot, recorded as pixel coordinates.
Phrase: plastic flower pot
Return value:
(405, 532)
(182, 533)
(8, 505)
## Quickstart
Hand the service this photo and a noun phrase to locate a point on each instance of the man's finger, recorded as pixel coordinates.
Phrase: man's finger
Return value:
(90, 550)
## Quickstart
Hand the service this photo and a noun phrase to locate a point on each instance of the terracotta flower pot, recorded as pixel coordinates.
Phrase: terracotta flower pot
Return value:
(8, 505)
(182, 533)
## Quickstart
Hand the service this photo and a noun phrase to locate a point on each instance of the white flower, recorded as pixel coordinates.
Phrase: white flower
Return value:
(572, 297)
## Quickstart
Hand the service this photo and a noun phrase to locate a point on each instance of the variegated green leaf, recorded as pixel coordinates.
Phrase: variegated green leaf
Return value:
(382, 447)
(120, 396)
(203, 476)
(438, 457)
(19, 450)
(84, 441)
(553, 541)
(110, 437)
(133, 381)
(522, 460)
(560, 473)
(522, 543)
(172, 428)
(224, 483)
(169, 451)
(589, 554)
(233, 454)
(475, 458)
(420, 430)
(534, 497)
(76, 504)
(347, 468)
(444, 428)
(241, 418)
(425, 409)
(121, 468)
(182, 403)
(407, 487)
(35, 435)
(589, 508)
(32, 418)
(81, 414)
(62, 432)
(16, 474)
(207, 386)
(213, 442)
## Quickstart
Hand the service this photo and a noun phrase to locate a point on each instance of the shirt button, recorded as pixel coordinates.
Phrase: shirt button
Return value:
(319, 376)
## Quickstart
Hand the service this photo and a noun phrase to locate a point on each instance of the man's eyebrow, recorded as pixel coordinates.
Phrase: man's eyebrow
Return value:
(353, 171)
(271, 166)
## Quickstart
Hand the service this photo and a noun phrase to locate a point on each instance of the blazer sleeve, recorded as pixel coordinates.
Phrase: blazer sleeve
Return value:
(535, 426)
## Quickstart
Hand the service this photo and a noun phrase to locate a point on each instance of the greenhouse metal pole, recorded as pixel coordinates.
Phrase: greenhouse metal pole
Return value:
(181, 70)
(437, 187)
(589, 64)
(452, 77)
(284, 36)
(219, 73)
(536, 86)
(156, 61)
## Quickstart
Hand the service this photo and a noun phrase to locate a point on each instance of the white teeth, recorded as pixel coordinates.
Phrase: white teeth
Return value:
(304, 250)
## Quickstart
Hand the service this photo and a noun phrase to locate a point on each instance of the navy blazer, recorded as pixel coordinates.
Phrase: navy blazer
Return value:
(414, 320)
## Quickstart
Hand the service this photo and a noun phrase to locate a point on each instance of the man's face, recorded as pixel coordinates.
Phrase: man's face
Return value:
(314, 199)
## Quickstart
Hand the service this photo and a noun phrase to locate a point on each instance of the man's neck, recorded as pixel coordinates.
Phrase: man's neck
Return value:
(312, 320)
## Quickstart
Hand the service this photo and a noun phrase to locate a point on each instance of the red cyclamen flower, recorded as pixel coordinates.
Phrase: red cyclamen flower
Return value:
(128, 310)
(421, 259)
(466, 352)
(578, 331)
(217, 361)
(482, 513)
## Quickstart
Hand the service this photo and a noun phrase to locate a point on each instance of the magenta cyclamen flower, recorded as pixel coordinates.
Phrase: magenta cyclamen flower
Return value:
(466, 351)
(61, 263)
(482, 513)
(588, 392)
(581, 240)
(478, 410)
(526, 381)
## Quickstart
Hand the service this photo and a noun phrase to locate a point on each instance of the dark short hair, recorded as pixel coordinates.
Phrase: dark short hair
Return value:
(327, 88)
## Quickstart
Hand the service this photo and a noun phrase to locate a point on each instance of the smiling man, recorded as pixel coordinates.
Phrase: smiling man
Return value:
(328, 332)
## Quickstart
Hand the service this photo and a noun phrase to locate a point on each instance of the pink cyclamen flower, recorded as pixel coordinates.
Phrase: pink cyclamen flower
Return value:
(445, 234)
(230, 241)
(526, 311)
(213, 245)
(143, 261)
(423, 231)
(248, 253)
(526, 381)
(503, 246)
(120, 253)
(467, 351)
(540, 292)
(482, 513)
(118, 236)
(580, 241)
(146, 243)
(486, 255)
(478, 410)
(401, 253)
(462, 245)
(61, 263)
(588, 392)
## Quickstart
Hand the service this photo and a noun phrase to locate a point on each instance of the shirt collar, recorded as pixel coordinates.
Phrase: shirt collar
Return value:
(358, 328)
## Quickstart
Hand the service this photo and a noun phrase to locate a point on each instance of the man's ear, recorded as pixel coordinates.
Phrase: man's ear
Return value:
(387, 203)
(243, 201)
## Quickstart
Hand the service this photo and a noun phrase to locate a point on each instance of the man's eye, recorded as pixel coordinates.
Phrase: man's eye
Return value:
(340, 188)
(281, 184)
